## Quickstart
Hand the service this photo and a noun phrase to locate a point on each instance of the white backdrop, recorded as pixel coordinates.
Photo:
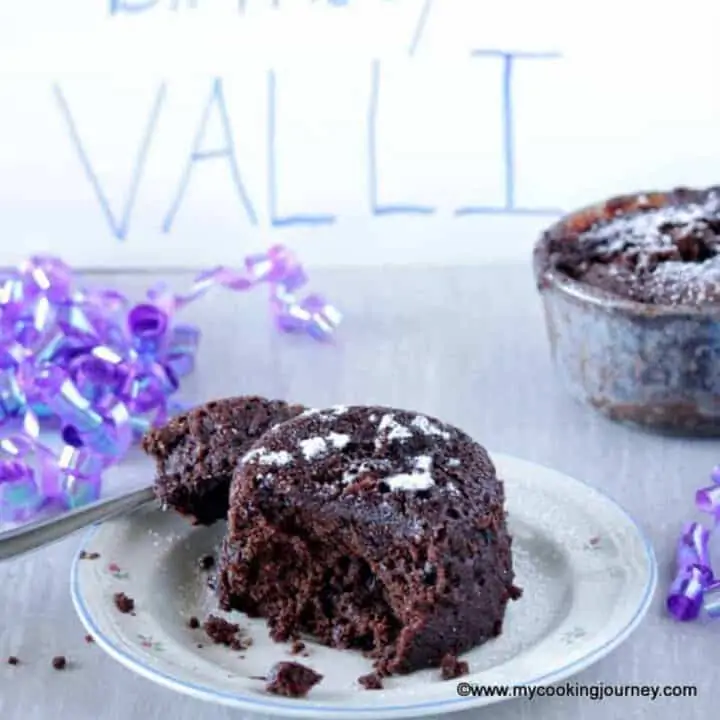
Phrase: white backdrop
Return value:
(183, 133)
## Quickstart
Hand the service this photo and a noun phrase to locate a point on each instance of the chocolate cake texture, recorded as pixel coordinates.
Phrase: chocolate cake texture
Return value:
(650, 248)
(196, 452)
(291, 679)
(371, 528)
(631, 294)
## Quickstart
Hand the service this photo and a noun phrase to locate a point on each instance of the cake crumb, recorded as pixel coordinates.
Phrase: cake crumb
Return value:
(89, 639)
(207, 562)
(13, 660)
(291, 679)
(84, 555)
(297, 647)
(193, 623)
(123, 603)
(515, 592)
(222, 632)
(371, 681)
(59, 662)
(451, 667)
(199, 646)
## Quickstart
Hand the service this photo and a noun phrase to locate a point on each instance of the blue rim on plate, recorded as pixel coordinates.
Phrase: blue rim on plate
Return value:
(456, 704)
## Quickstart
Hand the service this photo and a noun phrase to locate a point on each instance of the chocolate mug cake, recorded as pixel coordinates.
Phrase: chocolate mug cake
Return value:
(631, 294)
(371, 528)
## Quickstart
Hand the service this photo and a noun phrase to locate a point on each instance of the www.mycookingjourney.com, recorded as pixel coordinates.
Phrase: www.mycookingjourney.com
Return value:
(598, 691)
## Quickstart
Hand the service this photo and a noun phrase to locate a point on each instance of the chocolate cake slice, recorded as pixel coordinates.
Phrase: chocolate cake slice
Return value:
(370, 528)
(196, 452)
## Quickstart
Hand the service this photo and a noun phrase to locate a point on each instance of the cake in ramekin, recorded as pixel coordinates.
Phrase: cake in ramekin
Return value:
(631, 293)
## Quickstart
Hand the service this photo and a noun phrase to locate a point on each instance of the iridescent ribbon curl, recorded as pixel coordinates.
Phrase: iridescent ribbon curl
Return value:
(102, 371)
(695, 589)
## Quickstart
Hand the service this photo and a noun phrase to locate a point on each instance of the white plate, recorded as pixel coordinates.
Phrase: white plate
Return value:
(587, 571)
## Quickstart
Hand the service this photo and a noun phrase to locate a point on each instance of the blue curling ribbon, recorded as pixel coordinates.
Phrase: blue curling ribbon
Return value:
(106, 371)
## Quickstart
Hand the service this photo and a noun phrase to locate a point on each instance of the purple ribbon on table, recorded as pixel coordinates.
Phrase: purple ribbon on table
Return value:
(103, 371)
(695, 588)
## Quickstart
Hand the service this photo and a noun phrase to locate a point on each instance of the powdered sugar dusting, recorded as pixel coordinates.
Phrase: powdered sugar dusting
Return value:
(666, 255)
(409, 482)
(651, 229)
(687, 282)
(250, 456)
(280, 458)
(357, 469)
(310, 412)
(313, 447)
(453, 462)
(390, 429)
(267, 457)
(420, 479)
(338, 440)
(325, 413)
(429, 428)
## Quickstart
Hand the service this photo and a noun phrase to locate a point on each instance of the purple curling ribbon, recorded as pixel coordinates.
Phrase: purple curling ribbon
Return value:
(102, 371)
(695, 589)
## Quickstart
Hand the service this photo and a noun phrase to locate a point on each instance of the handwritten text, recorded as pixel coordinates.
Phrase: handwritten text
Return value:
(201, 151)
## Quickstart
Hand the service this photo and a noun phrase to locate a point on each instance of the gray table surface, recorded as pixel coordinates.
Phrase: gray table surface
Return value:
(465, 344)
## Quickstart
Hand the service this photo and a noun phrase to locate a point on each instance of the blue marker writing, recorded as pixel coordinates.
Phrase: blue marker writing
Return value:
(420, 25)
(375, 206)
(508, 123)
(275, 219)
(118, 226)
(126, 6)
(200, 154)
